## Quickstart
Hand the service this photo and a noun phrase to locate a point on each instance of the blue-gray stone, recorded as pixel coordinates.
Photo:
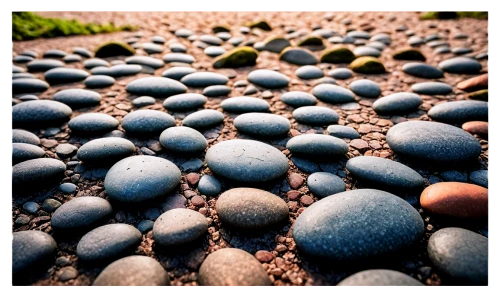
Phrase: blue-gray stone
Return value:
(203, 119)
(365, 51)
(178, 227)
(268, 78)
(305, 165)
(40, 113)
(460, 255)
(77, 98)
(183, 33)
(142, 101)
(43, 65)
(461, 65)
(182, 139)
(309, 72)
(72, 58)
(105, 151)
(50, 205)
(82, 52)
(433, 180)
(145, 226)
(22, 75)
(382, 37)
(460, 111)
(397, 103)
(144, 61)
(433, 142)
(30, 53)
(28, 85)
(333, 93)
(158, 39)
(442, 50)
(211, 40)
(298, 98)
(30, 248)
(358, 34)
(317, 146)
(298, 56)
(315, 115)
(454, 176)
(479, 177)
(177, 48)
(185, 101)
(246, 161)
(365, 88)
(385, 174)
(31, 207)
(81, 213)
(432, 88)
(37, 172)
(340, 73)
(147, 121)
(95, 62)
(93, 123)
(461, 50)
(214, 51)
(262, 124)
(365, 223)
(376, 277)
(209, 186)
(217, 90)
(98, 81)
(141, 178)
(151, 48)
(67, 188)
(155, 87)
(377, 45)
(340, 131)
(323, 184)
(117, 70)
(422, 70)
(204, 79)
(243, 104)
(178, 58)
(23, 136)
(54, 53)
(65, 150)
(193, 165)
(22, 152)
(108, 241)
(177, 73)
(65, 75)
(22, 59)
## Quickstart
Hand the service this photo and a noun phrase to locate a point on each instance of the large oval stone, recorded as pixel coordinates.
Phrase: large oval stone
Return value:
(105, 151)
(397, 103)
(432, 88)
(462, 65)
(457, 200)
(37, 173)
(317, 146)
(204, 79)
(268, 78)
(77, 98)
(145, 61)
(185, 101)
(23, 151)
(117, 70)
(156, 87)
(366, 88)
(460, 255)
(141, 178)
(243, 104)
(30, 248)
(65, 75)
(333, 93)
(42, 65)
(246, 161)
(364, 223)
(23, 136)
(376, 277)
(93, 123)
(147, 121)
(40, 113)
(203, 119)
(81, 213)
(28, 85)
(183, 139)
(298, 56)
(262, 124)
(385, 174)
(422, 70)
(177, 72)
(315, 115)
(179, 227)
(433, 142)
(460, 111)
(298, 98)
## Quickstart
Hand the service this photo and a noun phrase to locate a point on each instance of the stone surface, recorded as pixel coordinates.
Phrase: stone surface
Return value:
(298, 98)
(332, 93)
(30, 248)
(203, 119)
(65, 75)
(340, 131)
(379, 277)
(120, 70)
(99, 81)
(268, 78)
(432, 88)
(365, 88)
(142, 101)
(461, 65)
(185, 101)
(474, 84)
(177, 72)
(22, 152)
(262, 124)
(147, 122)
(105, 151)
(422, 70)
(209, 186)
(317, 146)
(28, 85)
(77, 98)
(43, 65)
(155, 87)
(144, 61)
(37, 173)
(204, 79)
(23, 136)
(81, 213)
(460, 111)
(323, 184)
(397, 103)
(479, 177)
(179, 227)
(182, 139)
(244, 104)
(309, 72)
(40, 113)
(92, 123)
(340, 73)
(298, 56)
(217, 90)
(315, 115)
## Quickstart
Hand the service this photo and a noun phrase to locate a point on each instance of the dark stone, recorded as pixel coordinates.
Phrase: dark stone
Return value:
(432, 88)
(22, 152)
(182, 139)
(479, 177)
(23, 136)
(105, 151)
(99, 81)
(37, 173)
(30, 248)
(144, 61)
(209, 186)
(315, 115)
(323, 184)
(178, 72)
(397, 103)
(155, 87)
(185, 101)
(365, 88)
(77, 98)
(43, 65)
(340, 131)
(268, 78)
(81, 213)
(203, 119)
(91, 123)
(422, 70)
(217, 90)
(244, 104)
(147, 122)
(298, 98)
(317, 146)
(262, 124)
(460, 111)
(179, 227)
(28, 85)
(204, 79)
(462, 65)
(64, 75)
(333, 93)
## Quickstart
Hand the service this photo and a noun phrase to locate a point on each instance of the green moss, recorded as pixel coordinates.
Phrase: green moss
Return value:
(263, 25)
(310, 41)
(238, 57)
(367, 65)
(28, 26)
(453, 15)
(409, 54)
(478, 95)
(220, 28)
(337, 54)
(112, 49)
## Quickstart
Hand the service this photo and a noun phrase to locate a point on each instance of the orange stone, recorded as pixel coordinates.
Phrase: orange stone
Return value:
(475, 83)
(476, 127)
(457, 200)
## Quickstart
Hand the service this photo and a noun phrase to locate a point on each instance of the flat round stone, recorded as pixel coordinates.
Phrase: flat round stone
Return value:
(323, 184)
(43, 65)
(67, 188)
(117, 70)
(147, 121)
(433, 142)
(28, 85)
(214, 51)
(28, 97)
(177, 48)
(179, 227)
(177, 72)
(22, 59)
(30, 248)
(95, 62)
(460, 255)
(185, 101)
(81, 213)
(54, 53)
(315, 115)
(98, 81)
(152, 48)
(246, 161)
(22, 75)
(22, 152)
(432, 88)
(317, 146)
(385, 174)
(204, 79)
(268, 78)
(232, 266)
(108, 241)
(37, 172)
(182, 139)
(155, 87)
(479, 177)
(217, 90)
(203, 119)
(105, 151)
(460, 111)
(145, 61)
(141, 178)
(209, 186)
(142, 101)
(243, 104)
(397, 103)
(340, 131)
(23, 136)
(389, 224)
(262, 124)
(379, 277)
(93, 123)
(65, 75)
(463, 65)
(178, 58)
(298, 98)
(365, 51)
(298, 56)
(77, 98)
(365, 88)
(250, 208)
(422, 70)
(333, 93)
(82, 52)
(72, 58)
(309, 72)
(133, 270)
(340, 73)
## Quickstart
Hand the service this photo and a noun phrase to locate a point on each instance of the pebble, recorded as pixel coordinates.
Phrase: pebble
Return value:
(315, 115)
(244, 104)
(276, 44)
(182, 139)
(365, 88)
(433, 142)
(82, 52)
(142, 101)
(209, 186)
(28, 85)
(145, 121)
(337, 54)
(98, 81)
(323, 184)
(309, 72)
(37, 173)
(340, 131)
(460, 111)
(340, 73)
(461, 65)
(340, 216)
(54, 53)
(399, 103)
(333, 93)
(155, 87)
(214, 51)
(298, 56)
(145, 226)
(246, 161)
(105, 151)
(95, 62)
(432, 88)
(72, 58)
(192, 165)
(141, 178)
(179, 227)
(298, 98)
(203, 119)
(204, 79)
(31, 207)
(232, 266)
(151, 48)
(108, 241)
(379, 277)
(217, 90)
(43, 65)
(115, 71)
(31, 248)
(317, 146)
(92, 123)
(144, 61)
(77, 98)
(68, 273)
(456, 200)
(23, 136)
(177, 73)
(177, 48)
(249, 208)
(262, 124)
(475, 83)
(185, 101)
(81, 213)
(268, 78)
(365, 51)
(133, 270)
(22, 152)
(64, 151)
(65, 75)
(422, 70)
(67, 188)
(460, 255)
(479, 177)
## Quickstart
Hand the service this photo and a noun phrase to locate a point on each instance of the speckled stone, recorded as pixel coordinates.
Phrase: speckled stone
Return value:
(43, 65)
(340, 131)
(95, 62)
(209, 186)
(217, 90)
(461, 65)
(244, 104)
(262, 124)
(185, 101)
(203, 119)
(99, 81)
(333, 93)
(81, 213)
(22, 152)
(177, 72)
(77, 98)
(317, 146)
(268, 78)
(460, 111)
(65, 75)
(147, 122)
(117, 70)
(365, 88)
(315, 115)
(365, 51)
(31, 248)
(204, 79)
(309, 72)
(376, 277)
(340, 73)
(142, 101)
(28, 85)
(23, 136)
(182, 139)
(144, 61)
(93, 123)
(298, 56)
(155, 87)
(479, 177)
(397, 103)
(37, 173)
(298, 98)
(105, 151)
(422, 70)
(179, 227)
(323, 184)
(67, 188)
(432, 88)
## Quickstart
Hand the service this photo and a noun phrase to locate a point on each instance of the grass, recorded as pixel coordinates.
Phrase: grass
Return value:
(29, 26)
(454, 15)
